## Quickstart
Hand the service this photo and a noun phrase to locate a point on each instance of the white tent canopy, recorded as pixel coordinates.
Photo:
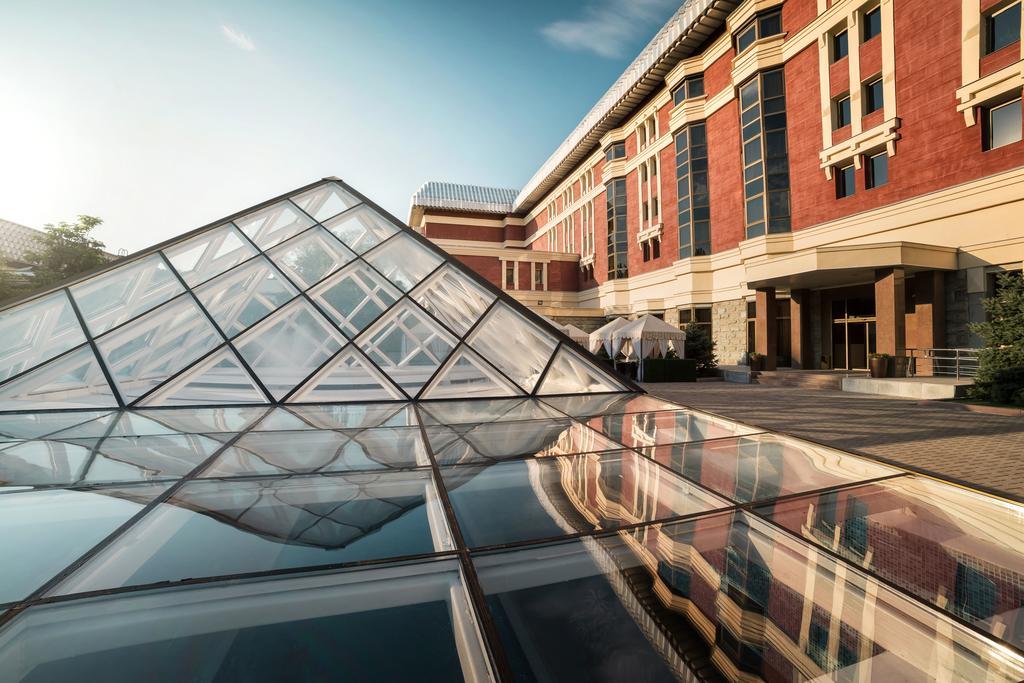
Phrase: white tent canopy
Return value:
(577, 335)
(648, 335)
(603, 336)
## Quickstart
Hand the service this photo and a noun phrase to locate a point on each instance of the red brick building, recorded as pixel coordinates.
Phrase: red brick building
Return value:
(811, 179)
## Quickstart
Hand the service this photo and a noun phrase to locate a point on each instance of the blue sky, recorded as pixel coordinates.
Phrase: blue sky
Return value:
(160, 117)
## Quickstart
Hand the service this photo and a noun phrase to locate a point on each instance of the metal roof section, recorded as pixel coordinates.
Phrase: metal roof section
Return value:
(441, 195)
(688, 28)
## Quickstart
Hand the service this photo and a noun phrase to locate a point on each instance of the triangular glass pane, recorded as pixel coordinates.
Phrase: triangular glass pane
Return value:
(274, 224)
(287, 347)
(348, 377)
(570, 373)
(144, 353)
(310, 257)
(72, 381)
(453, 298)
(355, 296)
(206, 420)
(404, 261)
(242, 297)
(35, 425)
(467, 375)
(124, 293)
(325, 201)
(513, 344)
(361, 228)
(219, 378)
(35, 332)
(407, 345)
(209, 254)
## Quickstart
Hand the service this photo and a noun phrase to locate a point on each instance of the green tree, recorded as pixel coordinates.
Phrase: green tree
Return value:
(701, 348)
(66, 250)
(10, 287)
(1003, 335)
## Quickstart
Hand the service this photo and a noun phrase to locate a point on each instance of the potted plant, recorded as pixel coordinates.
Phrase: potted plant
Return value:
(756, 361)
(879, 364)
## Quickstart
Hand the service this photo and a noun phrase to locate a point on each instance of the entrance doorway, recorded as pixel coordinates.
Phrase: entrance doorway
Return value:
(853, 333)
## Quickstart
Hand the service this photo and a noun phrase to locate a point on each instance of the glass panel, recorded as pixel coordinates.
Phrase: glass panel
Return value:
(325, 201)
(349, 416)
(273, 224)
(348, 377)
(556, 496)
(214, 527)
(764, 466)
(407, 345)
(453, 299)
(139, 458)
(220, 378)
(403, 261)
(477, 410)
(52, 529)
(121, 294)
(494, 441)
(312, 451)
(504, 329)
(467, 374)
(585, 406)
(1004, 124)
(245, 295)
(36, 332)
(145, 353)
(355, 297)
(971, 545)
(361, 228)
(200, 420)
(209, 254)
(311, 256)
(287, 347)
(571, 374)
(643, 430)
(34, 425)
(343, 623)
(38, 463)
(71, 381)
(765, 605)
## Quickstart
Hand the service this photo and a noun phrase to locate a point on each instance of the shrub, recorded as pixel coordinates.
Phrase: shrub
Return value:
(1003, 336)
(701, 348)
(1008, 386)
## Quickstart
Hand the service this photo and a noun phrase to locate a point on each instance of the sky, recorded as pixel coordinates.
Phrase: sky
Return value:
(160, 117)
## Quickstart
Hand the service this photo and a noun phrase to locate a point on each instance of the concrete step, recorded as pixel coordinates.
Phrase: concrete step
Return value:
(798, 379)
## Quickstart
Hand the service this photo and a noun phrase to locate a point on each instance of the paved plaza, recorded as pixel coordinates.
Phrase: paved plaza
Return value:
(981, 450)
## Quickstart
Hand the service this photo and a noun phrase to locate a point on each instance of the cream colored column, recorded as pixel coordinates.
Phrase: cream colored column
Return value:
(970, 48)
(853, 36)
(825, 85)
(888, 39)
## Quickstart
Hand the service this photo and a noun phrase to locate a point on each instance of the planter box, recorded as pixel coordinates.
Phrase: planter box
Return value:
(670, 370)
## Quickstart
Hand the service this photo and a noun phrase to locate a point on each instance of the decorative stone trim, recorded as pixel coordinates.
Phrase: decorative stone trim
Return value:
(765, 53)
(653, 232)
(884, 134)
(976, 93)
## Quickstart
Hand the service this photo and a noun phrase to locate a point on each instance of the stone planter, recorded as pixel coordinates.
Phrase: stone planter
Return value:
(879, 366)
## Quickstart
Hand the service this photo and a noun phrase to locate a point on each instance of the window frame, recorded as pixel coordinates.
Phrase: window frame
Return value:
(866, 24)
(987, 128)
(844, 190)
(988, 19)
(756, 24)
(612, 151)
(682, 92)
(687, 165)
(845, 34)
(763, 171)
(618, 231)
(868, 96)
(839, 121)
(870, 179)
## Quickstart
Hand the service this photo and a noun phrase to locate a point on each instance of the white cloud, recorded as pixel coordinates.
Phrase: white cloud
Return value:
(237, 38)
(608, 27)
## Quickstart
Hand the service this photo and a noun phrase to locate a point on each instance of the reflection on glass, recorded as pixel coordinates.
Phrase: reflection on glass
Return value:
(218, 378)
(35, 332)
(587, 406)
(223, 527)
(493, 441)
(171, 421)
(349, 376)
(325, 201)
(503, 329)
(646, 430)
(556, 496)
(209, 254)
(466, 374)
(391, 623)
(361, 228)
(310, 451)
(244, 296)
(403, 261)
(571, 373)
(407, 345)
(74, 380)
(959, 550)
(45, 531)
(138, 458)
(453, 298)
(311, 256)
(490, 410)
(121, 294)
(355, 416)
(37, 463)
(762, 466)
(355, 296)
(34, 425)
(273, 224)
(726, 590)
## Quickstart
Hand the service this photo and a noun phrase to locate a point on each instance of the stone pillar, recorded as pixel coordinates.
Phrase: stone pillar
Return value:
(929, 313)
(766, 329)
(890, 311)
(799, 329)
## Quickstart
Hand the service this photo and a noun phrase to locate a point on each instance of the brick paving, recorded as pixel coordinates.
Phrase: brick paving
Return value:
(984, 451)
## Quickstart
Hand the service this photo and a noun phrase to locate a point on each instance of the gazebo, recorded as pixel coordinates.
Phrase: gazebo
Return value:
(646, 336)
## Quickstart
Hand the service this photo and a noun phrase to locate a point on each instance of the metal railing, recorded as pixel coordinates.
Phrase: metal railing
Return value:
(958, 363)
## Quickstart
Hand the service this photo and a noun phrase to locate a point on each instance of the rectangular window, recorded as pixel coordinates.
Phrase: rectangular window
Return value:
(645, 249)
(840, 46)
(877, 170)
(694, 195)
(1002, 124)
(872, 23)
(845, 181)
(616, 150)
(1002, 28)
(538, 276)
(656, 248)
(692, 87)
(873, 95)
(768, 24)
(618, 241)
(842, 107)
(510, 275)
(765, 155)
(700, 316)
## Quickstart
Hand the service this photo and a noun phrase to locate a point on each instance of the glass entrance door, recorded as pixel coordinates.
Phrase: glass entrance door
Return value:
(853, 333)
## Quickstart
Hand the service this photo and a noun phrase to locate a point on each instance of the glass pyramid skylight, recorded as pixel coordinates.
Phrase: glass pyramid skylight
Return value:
(305, 444)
